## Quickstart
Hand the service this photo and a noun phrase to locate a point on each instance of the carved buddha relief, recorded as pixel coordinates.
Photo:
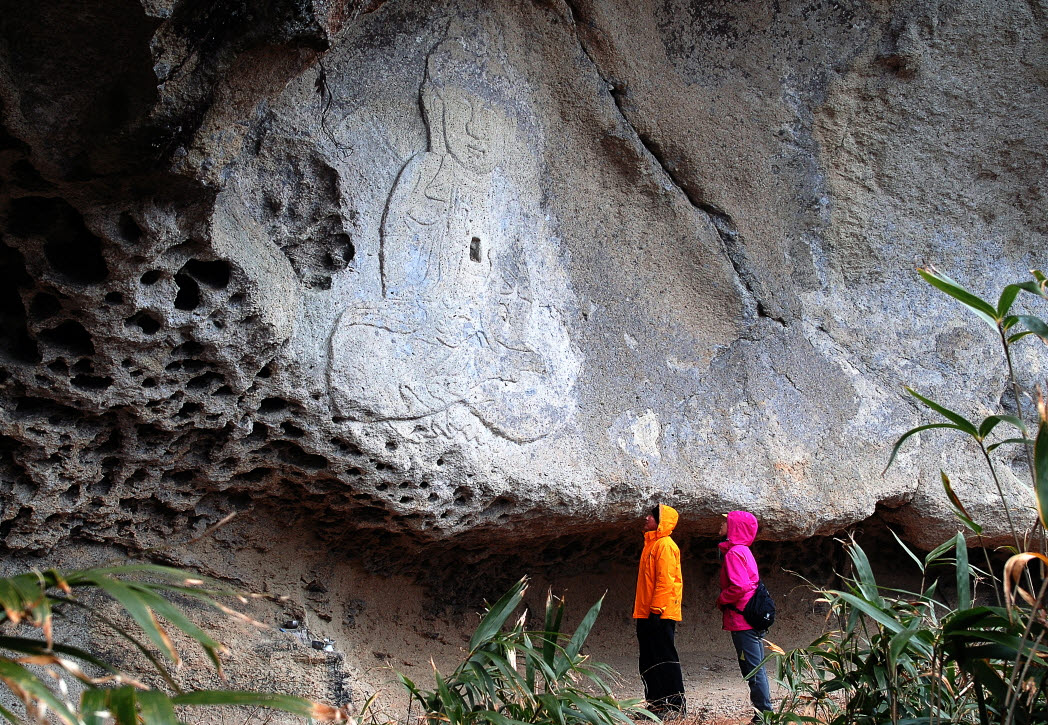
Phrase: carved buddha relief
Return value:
(458, 336)
(435, 231)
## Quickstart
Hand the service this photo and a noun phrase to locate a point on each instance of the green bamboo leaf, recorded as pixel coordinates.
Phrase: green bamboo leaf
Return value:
(452, 704)
(958, 508)
(553, 710)
(498, 614)
(486, 682)
(1032, 287)
(9, 716)
(511, 677)
(1007, 298)
(954, 417)
(14, 674)
(552, 624)
(989, 678)
(11, 600)
(1042, 282)
(54, 578)
(982, 309)
(973, 622)
(914, 431)
(409, 685)
(872, 610)
(989, 423)
(34, 599)
(1018, 336)
(1035, 325)
(93, 702)
(988, 652)
(920, 564)
(964, 590)
(123, 705)
(275, 701)
(1040, 468)
(497, 718)
(156, 708)
(578, 639)
(26, 645)
(935, 554)
(991, 448)
(135, 641)
(529, 664)
(539, 662)
(124, 571)
(865, 579)
(133, 604)
(175, 616)
(584, 707)
(900, 641)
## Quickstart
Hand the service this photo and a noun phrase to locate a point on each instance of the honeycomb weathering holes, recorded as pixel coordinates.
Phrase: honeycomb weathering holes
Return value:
(129, 228)
(145, 322)
(214, 274)
(71, 250)
(188, 296)
(71, 337)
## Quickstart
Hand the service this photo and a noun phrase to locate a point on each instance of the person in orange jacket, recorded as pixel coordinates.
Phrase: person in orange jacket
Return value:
(657, 611)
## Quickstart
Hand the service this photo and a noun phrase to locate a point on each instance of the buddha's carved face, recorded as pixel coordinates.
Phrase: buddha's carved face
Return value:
(469, 131)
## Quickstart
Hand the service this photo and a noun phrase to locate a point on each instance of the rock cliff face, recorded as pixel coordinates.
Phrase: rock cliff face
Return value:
(439, 269)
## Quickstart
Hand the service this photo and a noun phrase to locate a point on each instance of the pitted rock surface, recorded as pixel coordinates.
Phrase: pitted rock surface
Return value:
(438, 270)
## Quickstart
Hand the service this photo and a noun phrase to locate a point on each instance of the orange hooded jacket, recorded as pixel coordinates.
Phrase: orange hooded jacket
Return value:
(659, 582)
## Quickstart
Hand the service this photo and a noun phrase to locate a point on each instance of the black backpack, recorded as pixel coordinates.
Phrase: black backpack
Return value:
(760, 610)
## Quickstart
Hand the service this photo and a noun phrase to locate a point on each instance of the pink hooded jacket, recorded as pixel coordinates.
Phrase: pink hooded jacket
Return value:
(738, 575)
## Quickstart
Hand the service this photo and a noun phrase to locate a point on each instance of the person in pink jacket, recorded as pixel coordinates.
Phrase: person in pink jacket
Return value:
(738, 581)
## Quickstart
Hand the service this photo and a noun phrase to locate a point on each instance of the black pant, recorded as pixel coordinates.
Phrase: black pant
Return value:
(660, 666)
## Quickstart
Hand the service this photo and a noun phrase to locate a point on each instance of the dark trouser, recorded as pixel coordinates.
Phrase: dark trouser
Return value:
(660, 666)
(750, 648)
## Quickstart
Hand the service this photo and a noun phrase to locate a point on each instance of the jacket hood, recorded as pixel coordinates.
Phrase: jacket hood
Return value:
(667, 520)
(742, 528)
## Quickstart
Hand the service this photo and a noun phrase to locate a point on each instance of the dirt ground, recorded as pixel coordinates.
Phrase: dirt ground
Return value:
(357, 629)
(379, 625)
(713, 683)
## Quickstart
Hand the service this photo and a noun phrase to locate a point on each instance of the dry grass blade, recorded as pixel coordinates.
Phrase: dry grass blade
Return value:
(1013, 569)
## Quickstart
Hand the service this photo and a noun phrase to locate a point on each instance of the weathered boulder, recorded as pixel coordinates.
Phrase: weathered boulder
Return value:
(437, 269)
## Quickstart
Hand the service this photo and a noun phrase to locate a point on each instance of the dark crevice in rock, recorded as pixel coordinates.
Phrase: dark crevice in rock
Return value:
(71, 250)
(736, 253)
(214, 274)
(70, 337)
(9, 142)
(44, 306)
(188, 296)
(727, 229)
(15, 340)
(145, 322)
(92, 382)
(208, 36)
(129, 229)
(25, 175)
